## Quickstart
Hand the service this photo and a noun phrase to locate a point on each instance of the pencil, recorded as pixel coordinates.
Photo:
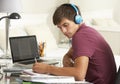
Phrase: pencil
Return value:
(35, 60)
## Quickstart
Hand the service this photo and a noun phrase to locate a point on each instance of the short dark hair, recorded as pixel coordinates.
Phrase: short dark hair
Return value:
(64, 11)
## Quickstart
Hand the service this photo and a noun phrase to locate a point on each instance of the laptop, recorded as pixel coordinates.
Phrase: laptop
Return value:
(24, 50)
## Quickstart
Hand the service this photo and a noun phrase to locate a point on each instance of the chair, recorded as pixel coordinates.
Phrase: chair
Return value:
(117, 80)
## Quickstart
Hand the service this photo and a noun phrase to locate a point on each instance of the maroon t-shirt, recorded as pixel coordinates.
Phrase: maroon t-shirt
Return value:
(88, 42)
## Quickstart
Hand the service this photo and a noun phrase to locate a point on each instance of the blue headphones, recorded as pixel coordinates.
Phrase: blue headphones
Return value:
(78, 19)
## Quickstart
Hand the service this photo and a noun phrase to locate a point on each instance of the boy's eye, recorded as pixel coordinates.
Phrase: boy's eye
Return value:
(65, 25)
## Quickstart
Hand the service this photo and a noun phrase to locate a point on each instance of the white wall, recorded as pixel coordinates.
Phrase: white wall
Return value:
(40, 6)
(116, 13)
(94, 5)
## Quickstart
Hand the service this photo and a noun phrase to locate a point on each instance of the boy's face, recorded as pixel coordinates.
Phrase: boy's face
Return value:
(68, 27)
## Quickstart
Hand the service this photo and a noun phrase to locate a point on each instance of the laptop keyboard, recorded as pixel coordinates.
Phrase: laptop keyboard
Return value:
(13, 70)
(32, 61)
(27, 62)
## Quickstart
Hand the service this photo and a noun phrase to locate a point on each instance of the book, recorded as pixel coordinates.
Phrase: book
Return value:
(29, 75)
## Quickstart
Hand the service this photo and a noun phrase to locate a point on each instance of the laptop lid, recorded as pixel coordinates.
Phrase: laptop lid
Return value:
(23, 48)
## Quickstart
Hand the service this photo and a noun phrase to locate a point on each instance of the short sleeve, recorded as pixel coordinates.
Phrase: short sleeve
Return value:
(83, 45)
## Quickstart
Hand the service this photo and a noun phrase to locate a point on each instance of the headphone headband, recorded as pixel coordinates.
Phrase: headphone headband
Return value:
(76, 10)
(78, 19)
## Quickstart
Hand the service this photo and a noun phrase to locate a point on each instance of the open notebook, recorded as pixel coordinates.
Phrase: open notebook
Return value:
(29, 75)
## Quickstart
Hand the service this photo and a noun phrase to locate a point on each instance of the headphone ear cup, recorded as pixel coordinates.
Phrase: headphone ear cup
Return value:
(78, 19)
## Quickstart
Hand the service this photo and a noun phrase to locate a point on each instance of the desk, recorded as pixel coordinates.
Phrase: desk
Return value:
(13, 79)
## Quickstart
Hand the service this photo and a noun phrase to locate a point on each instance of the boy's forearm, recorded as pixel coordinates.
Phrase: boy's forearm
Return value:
(65, 71)
(59, 71)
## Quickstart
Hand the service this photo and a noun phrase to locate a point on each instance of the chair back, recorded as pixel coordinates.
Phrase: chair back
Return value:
(117, 80)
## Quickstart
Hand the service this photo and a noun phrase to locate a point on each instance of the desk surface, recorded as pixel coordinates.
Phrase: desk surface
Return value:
(14, 79)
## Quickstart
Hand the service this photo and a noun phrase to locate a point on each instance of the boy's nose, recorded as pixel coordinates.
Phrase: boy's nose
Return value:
(64, 30)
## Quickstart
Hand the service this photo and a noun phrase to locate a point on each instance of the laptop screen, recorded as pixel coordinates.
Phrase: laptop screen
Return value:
(23, 48)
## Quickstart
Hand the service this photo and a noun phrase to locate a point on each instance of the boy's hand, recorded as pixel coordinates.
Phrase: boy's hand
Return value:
(40, 67)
